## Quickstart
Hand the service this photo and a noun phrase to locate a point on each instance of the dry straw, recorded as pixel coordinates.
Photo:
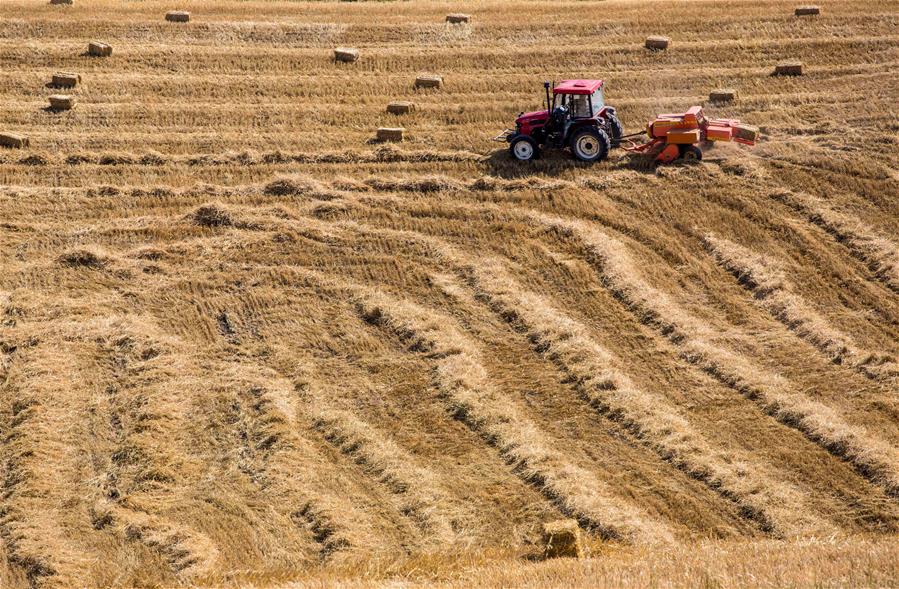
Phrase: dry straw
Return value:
(657, 43)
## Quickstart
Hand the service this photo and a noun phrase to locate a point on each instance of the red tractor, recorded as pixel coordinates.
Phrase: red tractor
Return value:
(577, 117)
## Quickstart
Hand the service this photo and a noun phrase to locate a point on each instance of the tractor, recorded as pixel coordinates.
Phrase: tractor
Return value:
(577, 117)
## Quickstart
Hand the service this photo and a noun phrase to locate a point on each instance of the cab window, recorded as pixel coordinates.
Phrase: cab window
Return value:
(598, 101)
(579, 105)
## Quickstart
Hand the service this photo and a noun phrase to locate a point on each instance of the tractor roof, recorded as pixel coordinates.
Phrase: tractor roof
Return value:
(577, 86)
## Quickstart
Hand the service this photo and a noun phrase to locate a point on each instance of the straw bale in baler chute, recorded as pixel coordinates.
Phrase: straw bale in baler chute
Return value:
(562, 538)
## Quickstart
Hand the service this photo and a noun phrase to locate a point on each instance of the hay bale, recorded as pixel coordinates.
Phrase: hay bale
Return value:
(65, 80)
(390, 133)
(807, 10)
(99, 49)
(562, 538)
(13, 140)
(722, 95)
(788, 68)
(62, 102)
(428, 81)
(657, 43)
(400, 107)
(346, 54)
(177, 16)
(458, 18)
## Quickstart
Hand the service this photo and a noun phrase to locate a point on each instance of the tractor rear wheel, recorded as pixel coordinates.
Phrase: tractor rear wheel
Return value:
(616, 130)
(523, 148)
(690, 153)
(590, 144)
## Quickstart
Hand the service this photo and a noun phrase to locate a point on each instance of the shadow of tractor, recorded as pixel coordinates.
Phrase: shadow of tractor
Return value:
(500, 163)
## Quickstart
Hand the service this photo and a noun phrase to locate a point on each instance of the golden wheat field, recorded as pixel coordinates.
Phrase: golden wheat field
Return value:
(243, 344)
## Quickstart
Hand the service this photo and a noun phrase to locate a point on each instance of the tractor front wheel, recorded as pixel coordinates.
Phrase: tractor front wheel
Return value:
(691, 153)
(590, 144)
(524, 149)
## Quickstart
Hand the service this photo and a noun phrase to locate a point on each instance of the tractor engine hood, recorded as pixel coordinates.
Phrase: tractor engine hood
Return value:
(532, 116)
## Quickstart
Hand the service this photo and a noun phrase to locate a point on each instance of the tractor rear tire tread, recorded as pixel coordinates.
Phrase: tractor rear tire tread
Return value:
(616, 130)
(603, 144)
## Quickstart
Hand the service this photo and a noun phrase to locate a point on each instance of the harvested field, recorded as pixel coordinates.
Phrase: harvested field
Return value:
(253, 333)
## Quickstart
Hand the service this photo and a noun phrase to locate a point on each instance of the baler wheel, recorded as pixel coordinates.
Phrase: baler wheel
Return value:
(691, 153)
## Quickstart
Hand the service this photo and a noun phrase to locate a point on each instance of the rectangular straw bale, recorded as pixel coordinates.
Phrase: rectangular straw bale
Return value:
(390, 133)
(807, 10)
(346, 54)
(65, 80)
(458, 18)
(428, 81)
(722, 95)
(99, 49)
(657, 42)
(62, 102)
(562, 538)
(177, 16)
(400, 107)
(13, 140)
(788, 68)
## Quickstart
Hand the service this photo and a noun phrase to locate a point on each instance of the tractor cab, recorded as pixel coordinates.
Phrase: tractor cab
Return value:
(576, 117)
(582, 98)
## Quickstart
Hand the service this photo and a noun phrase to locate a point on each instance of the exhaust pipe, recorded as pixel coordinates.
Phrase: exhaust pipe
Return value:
(548, 106)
